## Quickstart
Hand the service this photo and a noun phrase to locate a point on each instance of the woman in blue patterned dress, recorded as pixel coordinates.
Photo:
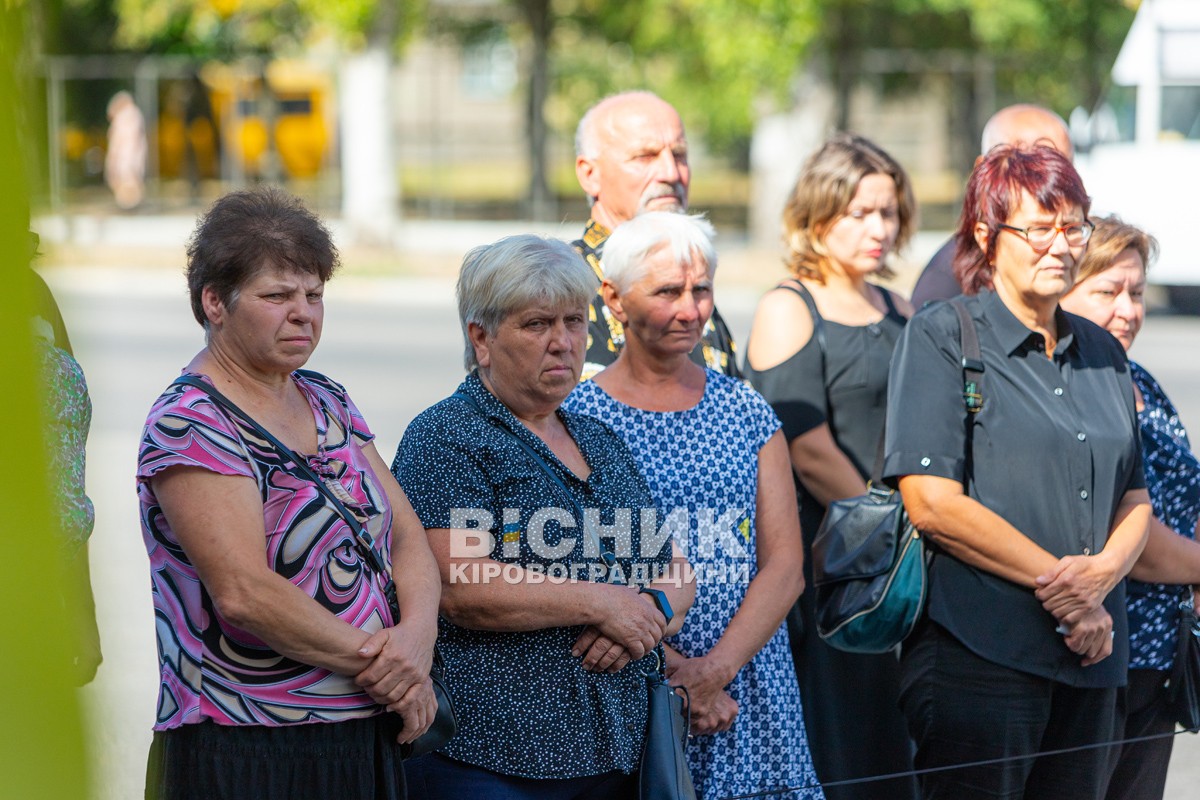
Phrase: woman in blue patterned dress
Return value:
(1109, 292)
(711, 449)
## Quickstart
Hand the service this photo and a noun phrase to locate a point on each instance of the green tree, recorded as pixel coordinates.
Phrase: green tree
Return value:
(1054, 52)
(724, 61)
(42, 751)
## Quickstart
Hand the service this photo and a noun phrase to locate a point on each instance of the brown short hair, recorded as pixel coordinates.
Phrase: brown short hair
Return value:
(247, 231)
(822, 193)
(1112, 237)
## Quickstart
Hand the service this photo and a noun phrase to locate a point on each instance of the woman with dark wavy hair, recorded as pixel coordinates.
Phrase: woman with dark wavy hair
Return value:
(1034, 507)
(281, 650)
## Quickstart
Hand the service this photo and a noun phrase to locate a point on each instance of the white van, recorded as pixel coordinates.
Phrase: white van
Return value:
(1139, 152)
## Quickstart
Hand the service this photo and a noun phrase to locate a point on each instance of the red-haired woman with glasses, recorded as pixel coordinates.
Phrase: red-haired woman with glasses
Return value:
(1035, 506)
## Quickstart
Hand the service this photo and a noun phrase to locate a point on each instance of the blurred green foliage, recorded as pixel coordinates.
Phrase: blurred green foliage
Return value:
(726, 61)
(41, 735)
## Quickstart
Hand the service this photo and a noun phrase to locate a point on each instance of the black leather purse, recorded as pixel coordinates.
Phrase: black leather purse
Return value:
(1183, 686)
(663, 773)
(870, 566)
(445, 723)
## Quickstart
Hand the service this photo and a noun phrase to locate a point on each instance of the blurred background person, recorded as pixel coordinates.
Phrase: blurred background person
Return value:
(1026, 618)
(630, 157)
(708, 444)
(1023, 125)
(1109, 290)
(546, 660)
(125, 158)
(66, 419)
(851, 207)
(272, 617)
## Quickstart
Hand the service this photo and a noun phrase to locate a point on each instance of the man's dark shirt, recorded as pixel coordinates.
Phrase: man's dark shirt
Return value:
(937, 281)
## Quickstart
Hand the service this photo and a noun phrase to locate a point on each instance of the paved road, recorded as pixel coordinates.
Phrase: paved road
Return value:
(396, 345)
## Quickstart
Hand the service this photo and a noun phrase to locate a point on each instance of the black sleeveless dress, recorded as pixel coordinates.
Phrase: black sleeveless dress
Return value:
(855, 729)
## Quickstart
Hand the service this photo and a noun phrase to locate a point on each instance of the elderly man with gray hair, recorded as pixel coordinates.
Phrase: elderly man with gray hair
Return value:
(631, 156)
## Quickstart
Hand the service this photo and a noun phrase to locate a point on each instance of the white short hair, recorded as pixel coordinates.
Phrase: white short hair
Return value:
(626, 250)
(513, 273)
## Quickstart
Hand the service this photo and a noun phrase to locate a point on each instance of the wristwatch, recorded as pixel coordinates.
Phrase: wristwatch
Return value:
(660, 599)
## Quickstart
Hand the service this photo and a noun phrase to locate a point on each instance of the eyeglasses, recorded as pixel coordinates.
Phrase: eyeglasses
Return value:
(1040, 237)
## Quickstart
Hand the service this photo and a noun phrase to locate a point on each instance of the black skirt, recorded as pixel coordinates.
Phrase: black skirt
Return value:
(352, 760)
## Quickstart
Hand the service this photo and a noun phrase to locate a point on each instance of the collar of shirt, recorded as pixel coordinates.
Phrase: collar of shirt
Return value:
(594, 237)
(1012, 333)
(502, 417)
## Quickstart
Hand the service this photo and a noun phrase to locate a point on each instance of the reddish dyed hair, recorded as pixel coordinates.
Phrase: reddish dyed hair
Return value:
(993, 194)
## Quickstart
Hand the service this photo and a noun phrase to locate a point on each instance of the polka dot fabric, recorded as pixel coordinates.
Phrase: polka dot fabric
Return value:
(526, 707)
(704, 462)
(1173, 478)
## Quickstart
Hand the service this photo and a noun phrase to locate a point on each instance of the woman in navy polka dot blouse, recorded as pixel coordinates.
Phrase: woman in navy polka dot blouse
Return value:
(546, 648)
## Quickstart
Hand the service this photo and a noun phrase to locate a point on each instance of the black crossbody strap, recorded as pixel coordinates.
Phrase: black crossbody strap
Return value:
(606, 554)
(972, 367)
(364, 543)
(972, 359)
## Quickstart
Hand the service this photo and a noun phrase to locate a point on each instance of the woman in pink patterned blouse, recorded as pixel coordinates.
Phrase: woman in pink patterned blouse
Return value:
(278, 652)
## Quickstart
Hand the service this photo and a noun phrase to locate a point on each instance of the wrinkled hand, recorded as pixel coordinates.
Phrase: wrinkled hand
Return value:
(1077, 585)
(417, 708)
(630, 620)
(600, 654)
(712, 709)
(401, 657)
(1092, 637)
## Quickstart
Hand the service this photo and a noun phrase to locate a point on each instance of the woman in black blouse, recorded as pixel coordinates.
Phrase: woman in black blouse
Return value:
(819, 352)
(1036, 505)
(545, 650)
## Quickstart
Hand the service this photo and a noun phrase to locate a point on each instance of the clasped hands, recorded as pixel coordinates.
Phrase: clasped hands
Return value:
(1073, 592)
(630, 628)
(398, 675)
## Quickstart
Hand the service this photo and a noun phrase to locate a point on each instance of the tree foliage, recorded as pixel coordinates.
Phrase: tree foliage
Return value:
(1054, 52)
(228, 28)
(725, 61)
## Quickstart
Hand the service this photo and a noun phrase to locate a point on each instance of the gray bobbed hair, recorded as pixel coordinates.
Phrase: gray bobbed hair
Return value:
(513, 273)
(626, 250)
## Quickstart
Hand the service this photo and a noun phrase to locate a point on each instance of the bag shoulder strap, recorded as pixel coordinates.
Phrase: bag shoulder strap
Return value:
(364, 542)
(972, 368)
(972, 359)
(606, 554)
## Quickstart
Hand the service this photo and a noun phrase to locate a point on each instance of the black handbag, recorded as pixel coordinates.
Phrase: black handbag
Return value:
(870, 567)
(445, 722)
(1183, 685)
(663, 771)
